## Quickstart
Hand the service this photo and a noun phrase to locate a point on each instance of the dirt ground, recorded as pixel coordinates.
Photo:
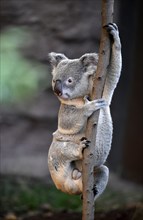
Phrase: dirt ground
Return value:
(129, 213)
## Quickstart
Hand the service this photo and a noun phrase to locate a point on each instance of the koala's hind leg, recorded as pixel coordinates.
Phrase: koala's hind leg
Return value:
(76, 174)
(101, 179)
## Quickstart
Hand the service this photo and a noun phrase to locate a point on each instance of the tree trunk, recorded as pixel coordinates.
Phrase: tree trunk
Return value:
(99, 81)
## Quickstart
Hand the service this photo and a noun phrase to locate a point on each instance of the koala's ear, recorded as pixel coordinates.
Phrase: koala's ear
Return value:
(56, 58)
(89, 62)
(89, 59)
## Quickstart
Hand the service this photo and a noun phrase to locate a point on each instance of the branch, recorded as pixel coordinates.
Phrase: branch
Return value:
(99, 81)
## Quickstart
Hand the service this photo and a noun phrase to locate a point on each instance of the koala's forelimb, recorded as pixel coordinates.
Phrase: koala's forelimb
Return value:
(105, 127)
(114, 68)
(91, 106)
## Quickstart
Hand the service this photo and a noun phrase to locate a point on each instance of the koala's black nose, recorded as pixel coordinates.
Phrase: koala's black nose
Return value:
(58, 87)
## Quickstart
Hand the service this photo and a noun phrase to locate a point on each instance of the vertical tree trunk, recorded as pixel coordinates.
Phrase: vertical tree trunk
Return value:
(88, 161)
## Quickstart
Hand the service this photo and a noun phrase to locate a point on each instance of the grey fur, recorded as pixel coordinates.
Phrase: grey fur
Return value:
(76, 80)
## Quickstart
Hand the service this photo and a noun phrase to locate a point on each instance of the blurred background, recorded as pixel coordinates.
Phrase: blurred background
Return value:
(30, 29)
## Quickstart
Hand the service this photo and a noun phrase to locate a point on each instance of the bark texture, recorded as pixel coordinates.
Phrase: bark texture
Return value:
(88, 161)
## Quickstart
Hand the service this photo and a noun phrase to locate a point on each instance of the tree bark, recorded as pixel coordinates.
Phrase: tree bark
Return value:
(91, 130)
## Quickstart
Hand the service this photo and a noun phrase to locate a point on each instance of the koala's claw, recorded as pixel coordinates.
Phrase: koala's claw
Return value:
(85, 142)
(86, 99)
(95, 191)
(100, 103)
(114, 25)
(83, 138)
(112, 29)
(111, 26)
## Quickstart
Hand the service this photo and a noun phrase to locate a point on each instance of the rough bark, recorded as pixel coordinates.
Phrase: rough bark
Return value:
(88, 161)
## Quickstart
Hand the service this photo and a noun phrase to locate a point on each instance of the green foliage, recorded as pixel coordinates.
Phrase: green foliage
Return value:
(23, 194)
(19, 79)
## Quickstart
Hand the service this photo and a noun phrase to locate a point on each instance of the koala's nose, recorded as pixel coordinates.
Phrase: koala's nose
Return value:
(58, 87)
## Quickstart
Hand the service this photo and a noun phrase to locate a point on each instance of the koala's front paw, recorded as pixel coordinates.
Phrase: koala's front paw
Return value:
(112, 29)
(91, 106)
(84, 142)
(100, 103)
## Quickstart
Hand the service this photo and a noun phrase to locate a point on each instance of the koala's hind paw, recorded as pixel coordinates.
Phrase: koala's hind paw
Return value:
(84, 142)
(76, 174)
(95, 191)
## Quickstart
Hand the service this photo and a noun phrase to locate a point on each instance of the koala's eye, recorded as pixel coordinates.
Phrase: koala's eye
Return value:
(70, 80)
(54, 81)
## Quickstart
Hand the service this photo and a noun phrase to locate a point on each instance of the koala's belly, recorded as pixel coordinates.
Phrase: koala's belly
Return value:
(71, 120)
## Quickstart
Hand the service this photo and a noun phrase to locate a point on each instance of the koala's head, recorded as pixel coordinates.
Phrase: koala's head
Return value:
(72, 77)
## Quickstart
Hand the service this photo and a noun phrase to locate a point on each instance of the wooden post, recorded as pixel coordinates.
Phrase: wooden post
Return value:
(99, 81)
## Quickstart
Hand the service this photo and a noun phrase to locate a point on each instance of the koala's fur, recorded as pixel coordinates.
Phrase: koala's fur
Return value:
(72, 82)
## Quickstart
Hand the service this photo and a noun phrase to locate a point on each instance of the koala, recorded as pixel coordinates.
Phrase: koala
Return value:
(72, 83)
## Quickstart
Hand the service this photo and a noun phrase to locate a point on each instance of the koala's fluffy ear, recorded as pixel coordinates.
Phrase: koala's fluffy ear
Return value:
(89, 59)
(89, 62)
(56, 58)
